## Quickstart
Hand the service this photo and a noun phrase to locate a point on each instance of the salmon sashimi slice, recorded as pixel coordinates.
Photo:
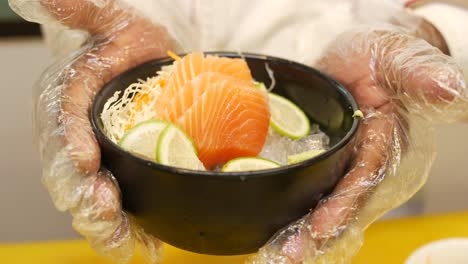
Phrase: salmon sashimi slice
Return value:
(196, 63)
(220, 109)
(227, 120)
(191, 91)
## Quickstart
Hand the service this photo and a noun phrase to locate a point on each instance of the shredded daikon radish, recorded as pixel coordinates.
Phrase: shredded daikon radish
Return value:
(136, 105)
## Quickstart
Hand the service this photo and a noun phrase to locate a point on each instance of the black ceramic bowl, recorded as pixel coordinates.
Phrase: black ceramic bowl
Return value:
(233, 213)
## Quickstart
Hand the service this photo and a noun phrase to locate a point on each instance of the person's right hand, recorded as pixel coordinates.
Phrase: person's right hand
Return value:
(120, 39)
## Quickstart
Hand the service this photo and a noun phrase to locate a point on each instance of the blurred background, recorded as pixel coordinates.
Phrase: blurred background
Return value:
(26, 210)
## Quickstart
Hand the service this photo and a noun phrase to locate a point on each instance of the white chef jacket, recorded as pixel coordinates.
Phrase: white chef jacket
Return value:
(295, 29)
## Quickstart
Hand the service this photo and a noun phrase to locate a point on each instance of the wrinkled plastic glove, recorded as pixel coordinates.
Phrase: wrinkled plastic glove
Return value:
(69, 151)
(403, 83)
(400, 81)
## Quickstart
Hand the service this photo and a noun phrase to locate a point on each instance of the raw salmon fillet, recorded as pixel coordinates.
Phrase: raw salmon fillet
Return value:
(215, 101)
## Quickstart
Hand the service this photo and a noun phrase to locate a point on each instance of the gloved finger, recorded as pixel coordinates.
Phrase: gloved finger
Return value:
(424, 79)
(149, 247)
(99, 211)
(415, 3)
(91, 71)
(126, 40)
(380, 66)
(299, 242)
(119, 246)
(427, 31)
(394, 13)
(368, 167)
(96, 17)
(100, 219)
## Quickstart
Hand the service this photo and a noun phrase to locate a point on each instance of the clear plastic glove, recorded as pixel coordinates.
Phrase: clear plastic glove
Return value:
(119, 40)
(401, 82)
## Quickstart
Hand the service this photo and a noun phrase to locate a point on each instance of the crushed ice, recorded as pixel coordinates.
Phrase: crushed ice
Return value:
(277, 148)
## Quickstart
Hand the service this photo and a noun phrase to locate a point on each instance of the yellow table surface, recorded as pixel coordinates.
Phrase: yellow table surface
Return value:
(389, 241)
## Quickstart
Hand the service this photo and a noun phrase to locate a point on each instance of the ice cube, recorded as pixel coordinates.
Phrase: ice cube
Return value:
(315, 129)
(277, 148)
(316, 141)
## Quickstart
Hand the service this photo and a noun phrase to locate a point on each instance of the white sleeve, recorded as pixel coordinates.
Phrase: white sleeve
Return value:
(452, 22)
(299, 30)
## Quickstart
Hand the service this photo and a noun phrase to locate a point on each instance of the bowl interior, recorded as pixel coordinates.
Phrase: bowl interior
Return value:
(325, 101)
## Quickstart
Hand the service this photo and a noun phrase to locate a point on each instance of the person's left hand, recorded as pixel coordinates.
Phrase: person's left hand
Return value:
(396, 75)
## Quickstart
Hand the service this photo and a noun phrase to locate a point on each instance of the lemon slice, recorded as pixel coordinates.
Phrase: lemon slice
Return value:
(176, 149)
(142, 139)
(249, 164)
(304, 156)
(287, 118)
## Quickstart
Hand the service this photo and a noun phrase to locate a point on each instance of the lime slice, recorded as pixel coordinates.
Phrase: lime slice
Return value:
(176, 149)
(142, 139)
(304, 156)
(358, 114)
(249, 164)
(261, 86)
(287, 118)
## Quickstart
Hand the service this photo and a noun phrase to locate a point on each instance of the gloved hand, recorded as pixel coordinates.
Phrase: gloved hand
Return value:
(403, 82)
(119, 40)
(400, 81)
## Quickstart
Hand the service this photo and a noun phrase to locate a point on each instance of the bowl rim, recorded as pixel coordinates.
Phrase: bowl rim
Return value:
(244, 175)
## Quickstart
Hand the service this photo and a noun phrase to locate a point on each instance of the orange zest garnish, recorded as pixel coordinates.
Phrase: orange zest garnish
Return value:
(143, 99)
(161, 82)
(173, 55)
(139, 99)
(132, 119)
